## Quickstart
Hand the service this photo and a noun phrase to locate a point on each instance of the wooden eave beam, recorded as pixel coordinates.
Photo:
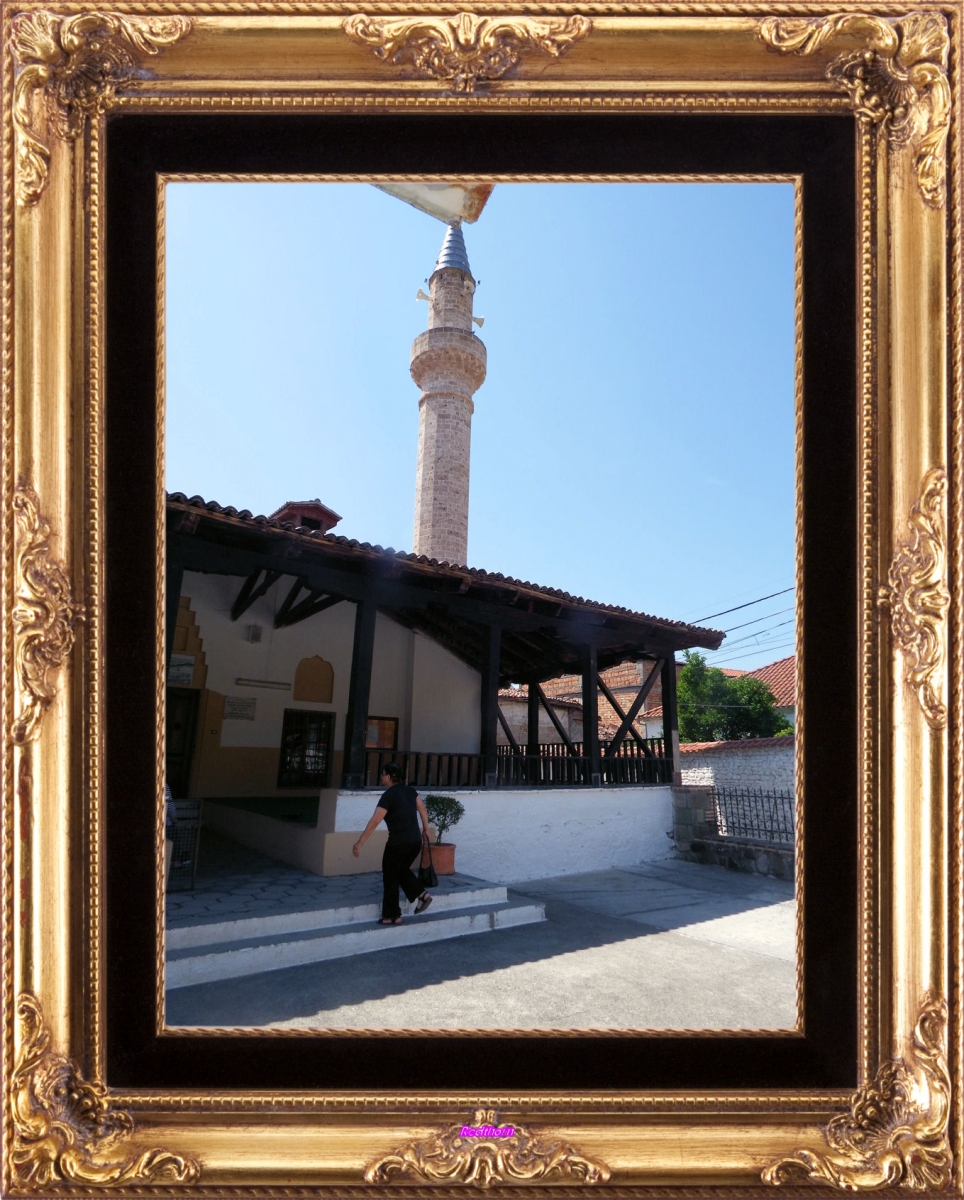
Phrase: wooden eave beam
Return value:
(554, 719)
(507, 731)
(628, 718)
(252, 590)
(575, 626)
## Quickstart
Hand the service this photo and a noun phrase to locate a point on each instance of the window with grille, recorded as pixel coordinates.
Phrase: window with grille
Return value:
(306, 740)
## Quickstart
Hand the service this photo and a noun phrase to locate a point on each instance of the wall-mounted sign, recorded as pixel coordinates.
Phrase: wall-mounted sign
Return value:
(180, 671)
(239, 708)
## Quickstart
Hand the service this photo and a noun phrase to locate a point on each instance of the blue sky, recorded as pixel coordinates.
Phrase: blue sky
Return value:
(633, 441)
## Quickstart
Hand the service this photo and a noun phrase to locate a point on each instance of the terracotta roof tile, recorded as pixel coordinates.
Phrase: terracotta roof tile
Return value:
(740, 744)
(211, 506)
(522, 693)
(782, 678)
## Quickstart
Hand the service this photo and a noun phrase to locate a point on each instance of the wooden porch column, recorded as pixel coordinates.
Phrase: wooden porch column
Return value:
(488, 745)
(532, 721)
(532, 735)
(670, 715)
(356, 722)
(175, 580)
(590, 715)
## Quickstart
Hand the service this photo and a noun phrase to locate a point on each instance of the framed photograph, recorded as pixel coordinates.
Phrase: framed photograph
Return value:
(179, 667)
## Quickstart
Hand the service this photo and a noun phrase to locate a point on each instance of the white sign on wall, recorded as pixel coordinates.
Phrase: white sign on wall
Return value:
(239, 708)
(180, 672)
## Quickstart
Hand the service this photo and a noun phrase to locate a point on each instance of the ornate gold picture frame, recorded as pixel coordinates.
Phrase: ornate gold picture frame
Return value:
(72, 1120)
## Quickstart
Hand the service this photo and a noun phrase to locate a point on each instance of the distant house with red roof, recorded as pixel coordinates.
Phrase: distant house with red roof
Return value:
(781, 676)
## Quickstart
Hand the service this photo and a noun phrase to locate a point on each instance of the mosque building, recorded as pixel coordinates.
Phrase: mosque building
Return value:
(299, 661)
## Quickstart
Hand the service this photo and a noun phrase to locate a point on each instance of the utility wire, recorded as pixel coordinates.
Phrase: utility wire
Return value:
(759, 633)
(749, 604)
(748, 652)
(756, 620)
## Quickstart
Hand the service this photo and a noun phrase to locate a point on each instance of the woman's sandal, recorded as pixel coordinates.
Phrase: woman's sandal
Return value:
(389, 921)
(423, 902)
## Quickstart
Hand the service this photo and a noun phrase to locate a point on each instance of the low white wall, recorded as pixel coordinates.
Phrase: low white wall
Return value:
(511, 836)
(300, 845)
(753, 763)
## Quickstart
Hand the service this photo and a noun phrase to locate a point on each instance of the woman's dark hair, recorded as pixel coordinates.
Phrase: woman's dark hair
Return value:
(393, 771)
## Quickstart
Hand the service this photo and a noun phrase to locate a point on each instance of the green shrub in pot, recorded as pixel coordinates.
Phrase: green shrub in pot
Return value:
(444, 812)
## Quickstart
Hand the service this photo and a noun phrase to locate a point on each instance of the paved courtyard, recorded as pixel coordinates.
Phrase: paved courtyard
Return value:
(669, 945)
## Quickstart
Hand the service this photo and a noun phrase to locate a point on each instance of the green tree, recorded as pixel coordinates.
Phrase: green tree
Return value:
(714, 707)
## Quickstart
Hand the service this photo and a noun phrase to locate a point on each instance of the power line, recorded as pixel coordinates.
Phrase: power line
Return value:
(749, 652)
(749, 604)
(759, 633)
(756, 620)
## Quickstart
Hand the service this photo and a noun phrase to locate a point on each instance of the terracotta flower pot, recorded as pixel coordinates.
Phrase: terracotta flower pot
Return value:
(443, 858)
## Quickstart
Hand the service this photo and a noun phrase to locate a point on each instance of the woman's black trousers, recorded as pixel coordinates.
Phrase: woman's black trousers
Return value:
(397, 873)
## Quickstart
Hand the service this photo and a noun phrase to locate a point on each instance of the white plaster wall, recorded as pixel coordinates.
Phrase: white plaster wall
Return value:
(516, 713)
(275, 657)
(511, 836)
(391, 692)
(446, 701)
(770, 767)
(300, 845)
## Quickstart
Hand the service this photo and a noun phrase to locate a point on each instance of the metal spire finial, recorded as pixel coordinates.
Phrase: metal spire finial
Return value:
(453, 252)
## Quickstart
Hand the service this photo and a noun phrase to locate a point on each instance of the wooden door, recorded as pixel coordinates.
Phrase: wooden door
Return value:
(182, 712)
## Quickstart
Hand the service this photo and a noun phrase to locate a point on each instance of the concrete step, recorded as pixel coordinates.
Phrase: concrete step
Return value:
(238, 958)
(277, 925)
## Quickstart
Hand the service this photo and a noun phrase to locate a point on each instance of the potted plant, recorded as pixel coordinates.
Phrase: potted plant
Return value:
(444, 812)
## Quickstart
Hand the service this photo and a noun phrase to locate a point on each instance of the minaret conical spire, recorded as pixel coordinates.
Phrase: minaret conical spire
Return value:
(448, 364)
(453, 253)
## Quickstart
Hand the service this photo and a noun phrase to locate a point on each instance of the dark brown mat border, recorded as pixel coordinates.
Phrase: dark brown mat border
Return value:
(822, 149)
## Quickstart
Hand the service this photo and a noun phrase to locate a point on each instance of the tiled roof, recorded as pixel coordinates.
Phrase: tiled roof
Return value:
(522, 693)
(782, 678)
(245, 517)
(739, 744)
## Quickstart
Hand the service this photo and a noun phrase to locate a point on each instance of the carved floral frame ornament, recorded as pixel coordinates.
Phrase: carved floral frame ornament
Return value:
(892, 69)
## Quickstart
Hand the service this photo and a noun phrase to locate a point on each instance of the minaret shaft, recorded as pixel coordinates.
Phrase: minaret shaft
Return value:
(448, 364)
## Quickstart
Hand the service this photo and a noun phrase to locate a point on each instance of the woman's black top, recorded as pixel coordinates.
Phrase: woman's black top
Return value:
(401, 815)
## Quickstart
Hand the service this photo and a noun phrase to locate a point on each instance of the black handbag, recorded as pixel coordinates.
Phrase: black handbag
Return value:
(426, 871)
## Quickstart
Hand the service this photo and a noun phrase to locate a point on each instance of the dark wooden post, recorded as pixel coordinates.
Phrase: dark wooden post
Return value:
(532, 735)
(356, 722)
(590, 715)
(670, 716)
(175, 579)
(488, 745)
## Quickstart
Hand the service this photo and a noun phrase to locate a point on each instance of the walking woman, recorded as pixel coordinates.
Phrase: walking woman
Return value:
(401, 808)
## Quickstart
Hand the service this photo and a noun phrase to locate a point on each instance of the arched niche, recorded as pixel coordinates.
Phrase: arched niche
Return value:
(314, 680)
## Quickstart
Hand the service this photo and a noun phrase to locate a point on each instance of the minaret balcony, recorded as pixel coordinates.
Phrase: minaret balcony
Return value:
(446, 353)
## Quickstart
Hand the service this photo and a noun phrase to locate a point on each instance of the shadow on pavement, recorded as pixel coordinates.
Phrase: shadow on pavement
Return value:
(303, 991)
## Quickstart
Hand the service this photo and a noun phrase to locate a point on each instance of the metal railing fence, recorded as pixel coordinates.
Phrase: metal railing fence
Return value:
(755, 814)
(553, 766)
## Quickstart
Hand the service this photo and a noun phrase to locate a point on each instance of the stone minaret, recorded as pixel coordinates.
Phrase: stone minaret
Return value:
(448, 364)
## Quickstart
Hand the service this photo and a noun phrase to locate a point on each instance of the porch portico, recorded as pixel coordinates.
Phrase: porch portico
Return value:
(505, 630)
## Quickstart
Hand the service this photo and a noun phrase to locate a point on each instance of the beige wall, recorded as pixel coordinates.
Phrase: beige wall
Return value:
(446, 701)
(321, 849)
(516, 713)
(433, 695)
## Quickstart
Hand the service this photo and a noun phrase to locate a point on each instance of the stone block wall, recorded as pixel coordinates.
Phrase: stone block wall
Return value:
(697, 838)
(751, 763)
(624, 681)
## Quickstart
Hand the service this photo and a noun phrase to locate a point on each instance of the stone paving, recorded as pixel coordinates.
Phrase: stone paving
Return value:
(670, 945)
(234, 882)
